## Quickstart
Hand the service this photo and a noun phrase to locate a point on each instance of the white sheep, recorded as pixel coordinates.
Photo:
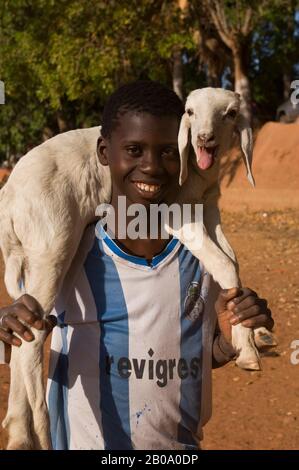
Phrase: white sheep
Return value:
(211, 121)
(213, 117)
(58, 186)
(47, 202)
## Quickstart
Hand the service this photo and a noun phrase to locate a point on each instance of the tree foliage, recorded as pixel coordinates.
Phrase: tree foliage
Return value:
(60, 59)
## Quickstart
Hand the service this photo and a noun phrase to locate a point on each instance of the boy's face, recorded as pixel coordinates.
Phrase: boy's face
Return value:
(142, 153)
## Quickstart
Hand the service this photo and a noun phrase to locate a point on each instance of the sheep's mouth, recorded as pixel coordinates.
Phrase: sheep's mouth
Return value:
(205, 156)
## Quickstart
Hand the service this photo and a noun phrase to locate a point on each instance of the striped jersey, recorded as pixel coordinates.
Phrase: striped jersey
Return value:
(130, 363)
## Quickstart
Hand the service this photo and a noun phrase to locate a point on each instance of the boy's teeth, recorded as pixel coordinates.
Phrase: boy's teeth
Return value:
(151, 188)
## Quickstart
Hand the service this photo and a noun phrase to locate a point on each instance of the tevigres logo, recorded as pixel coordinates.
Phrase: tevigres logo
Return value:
(2, 92)
(149, 368)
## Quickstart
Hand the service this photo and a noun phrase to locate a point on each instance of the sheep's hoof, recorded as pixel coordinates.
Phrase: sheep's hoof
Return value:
(19, 445)
(264, 338)
(19, 438)
(249, 363)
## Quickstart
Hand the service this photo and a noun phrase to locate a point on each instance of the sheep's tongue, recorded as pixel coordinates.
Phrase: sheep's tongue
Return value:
(204, 157)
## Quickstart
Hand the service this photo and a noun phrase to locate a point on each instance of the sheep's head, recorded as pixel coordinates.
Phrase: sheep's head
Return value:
(212, 116)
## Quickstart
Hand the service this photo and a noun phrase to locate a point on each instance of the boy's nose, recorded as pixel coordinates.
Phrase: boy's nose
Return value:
(151, 164)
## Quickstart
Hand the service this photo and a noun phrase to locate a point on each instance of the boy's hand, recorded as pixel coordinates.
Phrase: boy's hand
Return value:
(241, 305)
(28, 310)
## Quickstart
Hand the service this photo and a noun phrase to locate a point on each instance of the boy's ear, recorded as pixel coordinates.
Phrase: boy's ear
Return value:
(102, 151)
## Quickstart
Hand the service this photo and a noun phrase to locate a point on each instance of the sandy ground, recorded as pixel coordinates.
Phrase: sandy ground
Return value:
(255, 410)
(260, 410)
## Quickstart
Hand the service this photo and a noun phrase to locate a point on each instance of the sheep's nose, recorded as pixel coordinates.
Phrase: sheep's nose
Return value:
(206, 137)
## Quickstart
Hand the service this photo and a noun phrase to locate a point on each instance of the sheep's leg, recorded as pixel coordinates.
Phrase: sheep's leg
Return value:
(45, 291)
(242, 337)
(18, 419)
(32, 370)
(223, 271)
(43, 283)
(212, 221)
(27, 428)
(196, 239)
(243, 342)
(27, 420)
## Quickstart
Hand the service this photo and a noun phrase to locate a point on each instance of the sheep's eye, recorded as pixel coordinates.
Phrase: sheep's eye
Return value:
(232, 113)
(190, 112)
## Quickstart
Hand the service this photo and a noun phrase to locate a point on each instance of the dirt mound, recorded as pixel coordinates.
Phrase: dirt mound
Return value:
(275, 168)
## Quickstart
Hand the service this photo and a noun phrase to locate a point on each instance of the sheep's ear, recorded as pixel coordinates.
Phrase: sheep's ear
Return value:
(183, 141)
(246, 141)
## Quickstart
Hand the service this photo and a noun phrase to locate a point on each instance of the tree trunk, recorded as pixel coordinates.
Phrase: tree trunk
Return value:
(177, 73)
(62, 124)
(242, 84)
(47, 133)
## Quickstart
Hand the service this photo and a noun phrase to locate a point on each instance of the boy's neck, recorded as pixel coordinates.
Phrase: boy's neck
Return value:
(145, 247)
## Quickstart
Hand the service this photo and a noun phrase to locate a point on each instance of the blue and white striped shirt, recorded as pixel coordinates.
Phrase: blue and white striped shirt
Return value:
(130, 364)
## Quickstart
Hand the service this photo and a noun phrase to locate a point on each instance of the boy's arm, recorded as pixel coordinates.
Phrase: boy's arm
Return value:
(223, 352)
(235, 306)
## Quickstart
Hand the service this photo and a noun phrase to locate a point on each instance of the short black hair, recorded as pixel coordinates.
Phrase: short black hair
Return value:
(141, 96)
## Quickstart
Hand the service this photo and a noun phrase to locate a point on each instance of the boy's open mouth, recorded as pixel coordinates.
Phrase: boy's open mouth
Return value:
(205, 156)
(148, 189)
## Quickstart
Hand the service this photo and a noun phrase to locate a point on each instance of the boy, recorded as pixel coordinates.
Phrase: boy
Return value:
(131, 357)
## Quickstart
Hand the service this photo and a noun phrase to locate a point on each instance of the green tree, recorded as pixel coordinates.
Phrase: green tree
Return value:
(275, 52)
(61, 59)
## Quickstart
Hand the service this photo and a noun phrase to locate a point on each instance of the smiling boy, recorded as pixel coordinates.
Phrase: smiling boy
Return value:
(137, 332)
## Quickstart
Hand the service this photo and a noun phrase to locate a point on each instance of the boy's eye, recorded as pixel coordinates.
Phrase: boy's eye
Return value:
(134, 150)
(170, 152)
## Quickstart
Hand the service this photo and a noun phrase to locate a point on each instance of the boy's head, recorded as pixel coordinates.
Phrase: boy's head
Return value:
(139, 142)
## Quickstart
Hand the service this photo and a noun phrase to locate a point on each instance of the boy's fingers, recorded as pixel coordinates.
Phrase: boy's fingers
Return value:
(11, 323)
(243, 293)
(248, 302)
(224, 297)
(259, 320)
(253, 314)
(22, 312)
(31, 304)
(8, 338)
